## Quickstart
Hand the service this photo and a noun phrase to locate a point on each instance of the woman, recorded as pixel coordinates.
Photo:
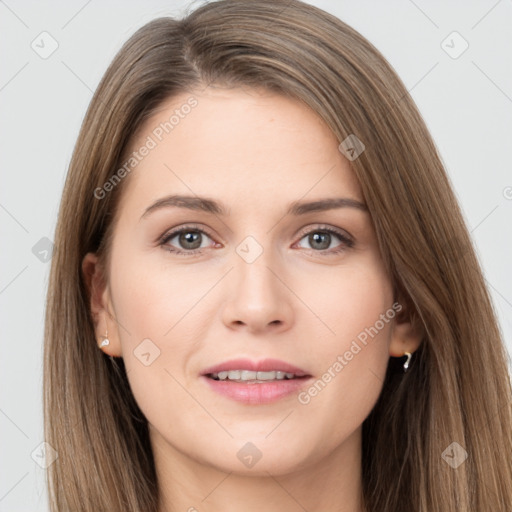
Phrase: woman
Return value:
(254, 369)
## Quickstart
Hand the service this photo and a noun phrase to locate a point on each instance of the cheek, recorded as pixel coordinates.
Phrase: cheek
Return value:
(168, 304)
(151, 296)
(352, 353)
(151, 306)
(348, 302)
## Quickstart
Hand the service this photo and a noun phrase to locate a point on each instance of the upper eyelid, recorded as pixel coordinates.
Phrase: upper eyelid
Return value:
(171, 233)
(325, 227)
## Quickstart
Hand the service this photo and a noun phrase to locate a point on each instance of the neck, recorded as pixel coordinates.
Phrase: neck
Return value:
(329, 484)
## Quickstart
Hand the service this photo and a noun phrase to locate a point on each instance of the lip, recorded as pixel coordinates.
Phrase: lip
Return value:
(256, 393)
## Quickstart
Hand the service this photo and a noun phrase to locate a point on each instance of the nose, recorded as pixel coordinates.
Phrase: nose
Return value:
(259, 299)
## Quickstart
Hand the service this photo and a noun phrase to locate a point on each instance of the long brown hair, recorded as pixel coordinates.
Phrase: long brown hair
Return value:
(457, 389)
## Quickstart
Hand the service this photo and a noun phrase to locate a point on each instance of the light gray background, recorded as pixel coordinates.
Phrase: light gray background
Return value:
(466, 103)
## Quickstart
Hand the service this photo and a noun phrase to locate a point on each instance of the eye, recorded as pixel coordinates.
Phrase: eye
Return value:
(320, 240)
(188, 238)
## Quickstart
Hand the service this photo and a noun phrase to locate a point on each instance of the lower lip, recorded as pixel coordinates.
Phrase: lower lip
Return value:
(256, 393)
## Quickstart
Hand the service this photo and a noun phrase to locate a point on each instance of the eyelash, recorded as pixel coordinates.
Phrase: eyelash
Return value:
(347, 243)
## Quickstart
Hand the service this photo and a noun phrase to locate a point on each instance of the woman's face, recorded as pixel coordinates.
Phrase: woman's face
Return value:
(263, 270)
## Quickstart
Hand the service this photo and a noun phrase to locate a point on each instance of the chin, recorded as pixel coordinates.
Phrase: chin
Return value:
(258, 457)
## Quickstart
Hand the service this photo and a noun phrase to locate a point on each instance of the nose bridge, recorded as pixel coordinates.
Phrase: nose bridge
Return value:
(255, 268)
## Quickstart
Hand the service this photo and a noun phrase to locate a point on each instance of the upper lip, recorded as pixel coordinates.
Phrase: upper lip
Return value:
(265, 365)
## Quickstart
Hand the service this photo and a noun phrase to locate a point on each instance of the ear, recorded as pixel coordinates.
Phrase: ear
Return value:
(407, 333)
(101, 305)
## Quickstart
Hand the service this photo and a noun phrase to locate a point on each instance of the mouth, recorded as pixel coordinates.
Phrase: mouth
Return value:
(252, 377)
(255, 382)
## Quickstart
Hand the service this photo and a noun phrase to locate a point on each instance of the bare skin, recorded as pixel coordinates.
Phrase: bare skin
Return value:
(299, 301)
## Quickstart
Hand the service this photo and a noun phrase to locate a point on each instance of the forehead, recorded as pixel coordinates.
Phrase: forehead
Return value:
(242, 145)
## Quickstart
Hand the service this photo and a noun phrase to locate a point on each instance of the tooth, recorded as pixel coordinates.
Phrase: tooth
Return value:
(247, 375)
(266, 375)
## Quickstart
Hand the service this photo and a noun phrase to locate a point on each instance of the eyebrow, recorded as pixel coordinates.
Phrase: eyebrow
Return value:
(295, 208)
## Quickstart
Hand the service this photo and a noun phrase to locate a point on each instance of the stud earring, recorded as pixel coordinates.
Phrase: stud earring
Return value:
(406, 364)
